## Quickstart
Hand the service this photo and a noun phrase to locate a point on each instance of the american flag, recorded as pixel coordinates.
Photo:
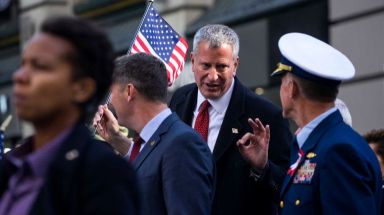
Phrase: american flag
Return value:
(157, 37)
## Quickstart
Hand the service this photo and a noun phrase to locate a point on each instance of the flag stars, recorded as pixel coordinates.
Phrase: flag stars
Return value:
(159, 35)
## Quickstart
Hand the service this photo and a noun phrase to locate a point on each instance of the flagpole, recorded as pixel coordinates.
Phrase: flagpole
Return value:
(6, 122)
(150, 2)
(108, 100)
(3, 127)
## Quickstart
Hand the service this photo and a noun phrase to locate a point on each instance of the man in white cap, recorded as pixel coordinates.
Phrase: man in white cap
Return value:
(332, 170)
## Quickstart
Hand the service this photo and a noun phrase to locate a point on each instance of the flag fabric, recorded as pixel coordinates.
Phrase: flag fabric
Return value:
(157, 37)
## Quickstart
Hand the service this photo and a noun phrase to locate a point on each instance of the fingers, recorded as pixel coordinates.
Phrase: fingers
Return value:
(98, 116)
(268, 133)
(108, 114)
(256, 125)
(245, 140)
(261, 133)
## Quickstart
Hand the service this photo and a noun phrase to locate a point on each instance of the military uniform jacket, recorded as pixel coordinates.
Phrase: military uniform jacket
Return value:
(236, 192)
(337, 174)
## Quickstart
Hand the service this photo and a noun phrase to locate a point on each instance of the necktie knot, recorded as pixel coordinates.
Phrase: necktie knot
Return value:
(204, 106)
(137, 140)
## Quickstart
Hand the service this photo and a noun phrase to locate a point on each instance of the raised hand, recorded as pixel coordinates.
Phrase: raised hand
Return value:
(108, 128)
(106, 124)
(254, 146)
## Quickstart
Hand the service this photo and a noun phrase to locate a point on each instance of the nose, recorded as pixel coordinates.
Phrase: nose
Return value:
(212, 74)
(21, 75)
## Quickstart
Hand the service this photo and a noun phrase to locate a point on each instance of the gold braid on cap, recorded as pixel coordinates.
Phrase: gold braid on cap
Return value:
(283, 67)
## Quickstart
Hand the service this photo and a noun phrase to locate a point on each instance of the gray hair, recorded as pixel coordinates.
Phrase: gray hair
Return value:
(347, 118)
(216, 36)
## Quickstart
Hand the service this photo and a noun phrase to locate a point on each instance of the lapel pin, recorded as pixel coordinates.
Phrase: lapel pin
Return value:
(235, 131)
(311, 155)
(152, 143)
(71, 155)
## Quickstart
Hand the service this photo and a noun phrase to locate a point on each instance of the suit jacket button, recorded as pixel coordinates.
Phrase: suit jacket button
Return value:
(281, 204)
(297, 202)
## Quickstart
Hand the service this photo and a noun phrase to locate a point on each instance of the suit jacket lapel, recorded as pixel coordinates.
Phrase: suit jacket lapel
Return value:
(311, 143)
(188, 102)
(154, 140)
(231, 126)
(64, 168)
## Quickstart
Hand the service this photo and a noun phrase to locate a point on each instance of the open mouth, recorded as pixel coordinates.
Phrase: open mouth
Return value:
(212, 85)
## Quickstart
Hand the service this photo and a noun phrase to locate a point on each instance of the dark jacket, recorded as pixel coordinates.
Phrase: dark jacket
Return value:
(85, 177)
(237, 192)
(175, 171)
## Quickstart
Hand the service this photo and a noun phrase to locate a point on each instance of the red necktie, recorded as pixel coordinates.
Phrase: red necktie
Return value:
(137, 141)
(202, 120)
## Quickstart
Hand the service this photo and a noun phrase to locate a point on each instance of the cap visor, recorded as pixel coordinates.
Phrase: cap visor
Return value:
(278, 72)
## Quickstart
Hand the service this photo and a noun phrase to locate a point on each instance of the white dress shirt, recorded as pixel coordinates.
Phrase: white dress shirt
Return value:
(216, 114)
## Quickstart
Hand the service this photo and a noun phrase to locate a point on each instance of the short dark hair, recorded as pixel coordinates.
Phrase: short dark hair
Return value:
(317, 92)
(146, 72)
(93, 55)
(376, 137)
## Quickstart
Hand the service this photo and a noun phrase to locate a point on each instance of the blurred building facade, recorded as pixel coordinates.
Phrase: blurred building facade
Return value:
(353, 26)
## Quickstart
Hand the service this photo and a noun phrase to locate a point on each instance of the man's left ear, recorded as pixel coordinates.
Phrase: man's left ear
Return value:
(83, 90)
(236, 64)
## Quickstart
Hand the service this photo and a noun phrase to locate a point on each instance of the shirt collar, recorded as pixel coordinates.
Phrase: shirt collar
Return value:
(150, 128)
(38, 160)
(304, 133)
(221, 104)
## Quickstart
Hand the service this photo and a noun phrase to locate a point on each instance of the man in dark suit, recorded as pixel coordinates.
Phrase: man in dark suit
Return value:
(240, 188)
(333, 170)
(66, 70)
(173, 163)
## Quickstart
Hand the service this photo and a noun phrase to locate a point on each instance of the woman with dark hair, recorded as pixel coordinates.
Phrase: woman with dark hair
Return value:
(66, 71)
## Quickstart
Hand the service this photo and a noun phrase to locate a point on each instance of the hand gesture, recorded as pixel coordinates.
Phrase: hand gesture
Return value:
(108, 128)
(254, 146)
(106, 124)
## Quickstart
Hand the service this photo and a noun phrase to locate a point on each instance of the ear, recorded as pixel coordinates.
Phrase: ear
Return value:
(83, 89)
(130, 92)
(294, 90)
(236, 64)
(192, 60)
